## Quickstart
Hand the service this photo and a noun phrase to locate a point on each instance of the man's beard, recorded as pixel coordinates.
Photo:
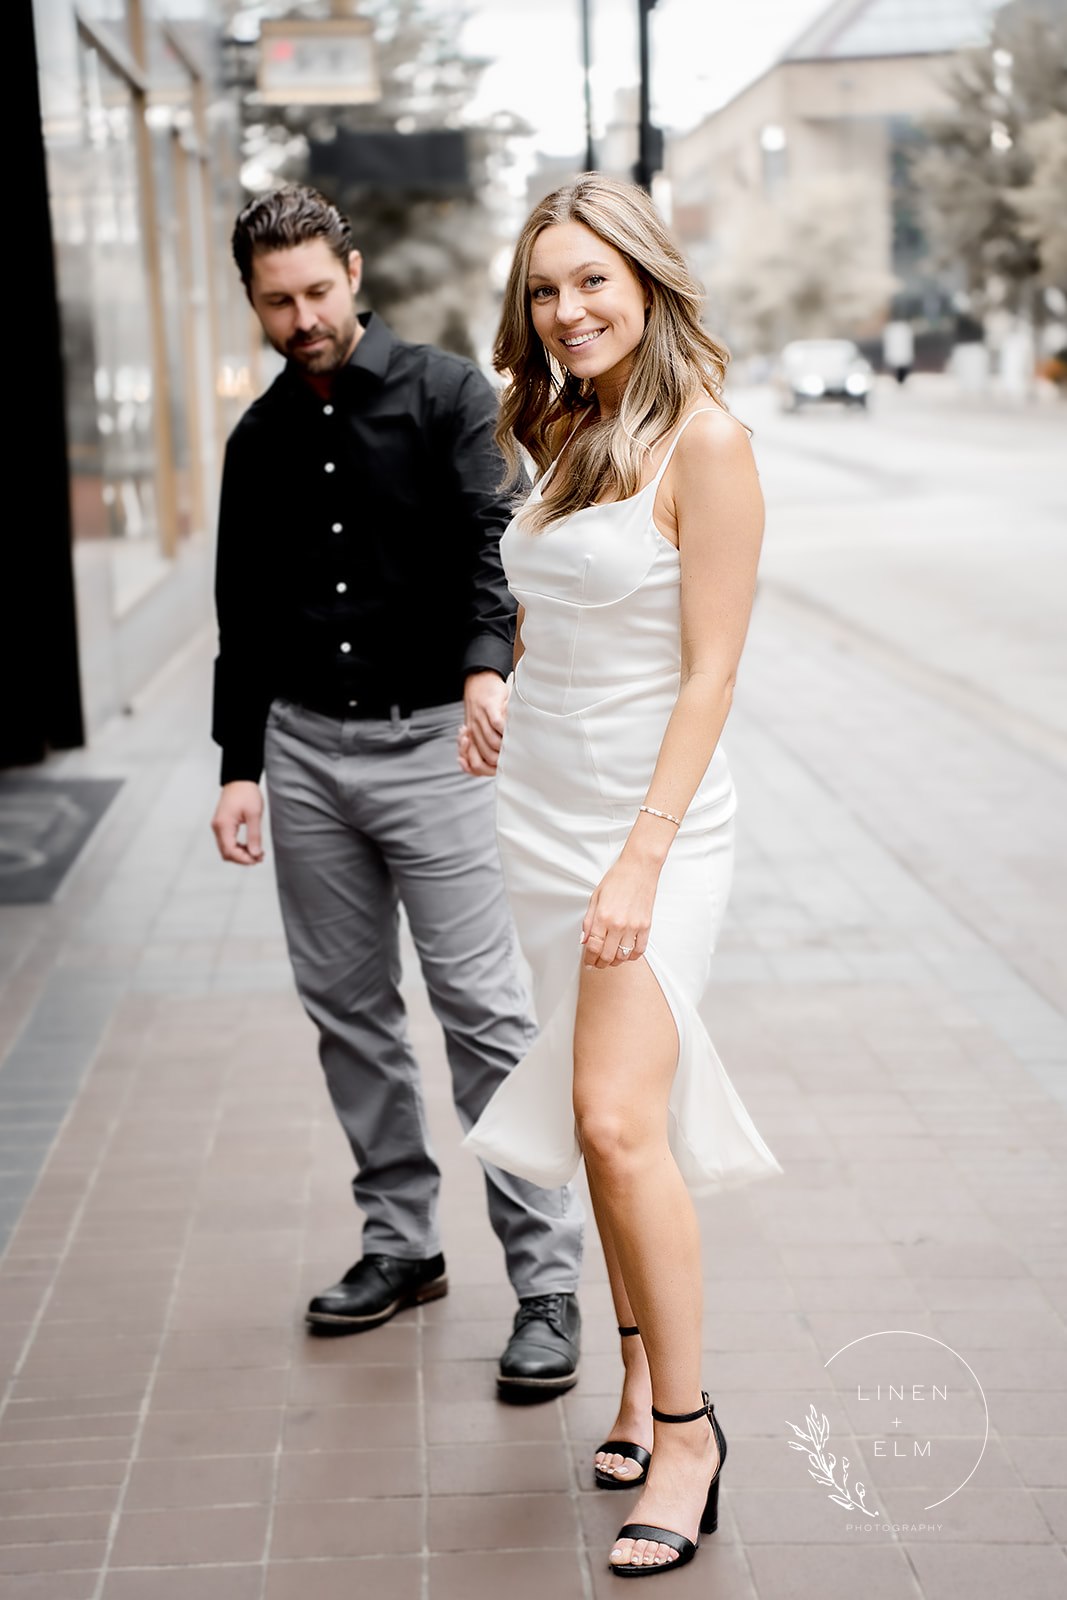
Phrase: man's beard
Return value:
(333, 353)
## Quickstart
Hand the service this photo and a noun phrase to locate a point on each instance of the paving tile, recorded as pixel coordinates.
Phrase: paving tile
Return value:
(64, 1452)
(200, 1481)
(199, 1349)
(210, 1433)
(502, 1521)
(485, 1420)
(350, 1474)
(185, 1583)
(1013, 1515)
(1044, 1370)
(1053, 1506)
(353, 1385)
(51, 1585)
(877, 1571)
(227, 1389)
(1039, 1462)
(385, 1577)
(521, 1575)
(498, 1468)
(188, 1535)
(307, 1528)
(28, 1559)
(57, 1527)
(988, 1571)
(361, 1427)
(1027, 1413)
(48, 1501)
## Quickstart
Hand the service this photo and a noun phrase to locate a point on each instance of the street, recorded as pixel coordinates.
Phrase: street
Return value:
(888, 998)
(939, 533)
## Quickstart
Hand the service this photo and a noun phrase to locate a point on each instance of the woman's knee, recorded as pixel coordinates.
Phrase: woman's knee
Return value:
(616, 1143)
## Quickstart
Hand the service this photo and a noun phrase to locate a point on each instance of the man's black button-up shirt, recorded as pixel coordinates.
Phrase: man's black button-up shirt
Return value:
(358, 557)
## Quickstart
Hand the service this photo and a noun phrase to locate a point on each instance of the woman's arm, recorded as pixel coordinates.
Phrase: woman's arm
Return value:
(718, 508)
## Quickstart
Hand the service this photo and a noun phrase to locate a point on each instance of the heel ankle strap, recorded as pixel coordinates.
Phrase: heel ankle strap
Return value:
(628, 1333)
(691, 1416)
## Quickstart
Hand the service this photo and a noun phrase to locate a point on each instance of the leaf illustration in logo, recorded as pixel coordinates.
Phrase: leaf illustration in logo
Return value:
(822, 1465)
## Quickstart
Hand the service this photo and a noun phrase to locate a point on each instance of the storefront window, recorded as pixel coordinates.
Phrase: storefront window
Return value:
(122, 390)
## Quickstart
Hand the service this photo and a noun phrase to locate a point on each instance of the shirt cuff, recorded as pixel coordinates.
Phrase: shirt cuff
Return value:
(487, 653)
(241, 764)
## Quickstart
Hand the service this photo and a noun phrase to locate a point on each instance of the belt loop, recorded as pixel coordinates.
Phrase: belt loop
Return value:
(395, 714)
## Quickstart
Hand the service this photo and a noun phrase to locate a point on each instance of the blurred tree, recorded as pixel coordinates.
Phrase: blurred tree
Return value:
(800, 269)
(1042, 203)
(985, 173)
(426, 238)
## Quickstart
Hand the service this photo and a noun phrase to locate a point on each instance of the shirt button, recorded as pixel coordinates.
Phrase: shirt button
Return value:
(329, 466)
(353, 702)
(345, 648)
(335, 527)
(341, 588)
(327, 411)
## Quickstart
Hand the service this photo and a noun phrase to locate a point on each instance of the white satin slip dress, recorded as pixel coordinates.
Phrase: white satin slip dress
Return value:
(589, 704)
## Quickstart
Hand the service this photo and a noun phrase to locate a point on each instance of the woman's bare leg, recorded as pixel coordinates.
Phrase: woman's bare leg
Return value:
(633, 1420)
(625, 1054)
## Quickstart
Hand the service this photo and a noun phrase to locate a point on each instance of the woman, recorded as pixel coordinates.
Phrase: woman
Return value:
(634, 564)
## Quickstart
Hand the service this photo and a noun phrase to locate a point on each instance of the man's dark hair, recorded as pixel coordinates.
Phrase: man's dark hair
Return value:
(286, 217)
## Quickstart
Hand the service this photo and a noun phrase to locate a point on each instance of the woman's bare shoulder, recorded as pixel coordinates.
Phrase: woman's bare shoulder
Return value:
(713, 428)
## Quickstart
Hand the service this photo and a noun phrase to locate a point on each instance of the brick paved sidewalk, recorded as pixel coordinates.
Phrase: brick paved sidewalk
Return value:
(884, 1000)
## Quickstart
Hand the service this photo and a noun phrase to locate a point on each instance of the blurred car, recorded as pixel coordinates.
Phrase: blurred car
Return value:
(813, 370)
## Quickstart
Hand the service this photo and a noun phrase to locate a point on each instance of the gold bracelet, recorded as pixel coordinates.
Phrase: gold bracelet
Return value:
(664, 814)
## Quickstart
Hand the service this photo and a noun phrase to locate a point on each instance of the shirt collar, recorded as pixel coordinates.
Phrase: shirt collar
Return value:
(372, 352)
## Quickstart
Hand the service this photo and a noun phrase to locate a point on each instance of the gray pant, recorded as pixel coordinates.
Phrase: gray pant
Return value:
(366, 815)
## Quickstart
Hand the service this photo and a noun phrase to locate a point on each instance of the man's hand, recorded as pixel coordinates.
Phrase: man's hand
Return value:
(485, 701)
(240, 804)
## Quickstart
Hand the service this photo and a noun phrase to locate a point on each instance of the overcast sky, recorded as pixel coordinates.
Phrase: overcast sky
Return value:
(703, 52)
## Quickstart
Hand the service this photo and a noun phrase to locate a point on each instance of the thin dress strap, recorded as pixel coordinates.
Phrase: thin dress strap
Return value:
(678, 434)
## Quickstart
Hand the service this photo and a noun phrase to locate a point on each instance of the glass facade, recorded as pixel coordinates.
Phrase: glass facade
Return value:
(111, 391)
(142, 153)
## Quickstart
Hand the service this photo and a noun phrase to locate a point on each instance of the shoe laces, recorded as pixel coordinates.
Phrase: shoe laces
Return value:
(540, 1308)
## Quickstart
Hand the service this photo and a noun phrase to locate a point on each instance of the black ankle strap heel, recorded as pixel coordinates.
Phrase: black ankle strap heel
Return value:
(628, 1333)
(709, 1521)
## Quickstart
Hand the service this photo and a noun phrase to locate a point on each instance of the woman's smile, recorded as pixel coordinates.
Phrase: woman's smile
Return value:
(574, 341)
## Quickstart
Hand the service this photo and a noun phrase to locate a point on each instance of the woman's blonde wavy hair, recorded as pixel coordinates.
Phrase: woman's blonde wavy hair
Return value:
(675, 361)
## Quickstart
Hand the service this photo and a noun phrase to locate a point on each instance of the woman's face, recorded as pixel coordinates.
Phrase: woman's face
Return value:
(587, 303)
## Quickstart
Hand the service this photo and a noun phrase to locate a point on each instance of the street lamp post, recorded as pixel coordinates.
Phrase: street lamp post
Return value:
(649, 138)
(587, 71)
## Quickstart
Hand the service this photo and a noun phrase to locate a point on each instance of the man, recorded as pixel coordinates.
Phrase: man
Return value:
(363, 616)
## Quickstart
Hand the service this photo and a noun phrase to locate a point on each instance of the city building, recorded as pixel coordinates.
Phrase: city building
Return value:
(150, 354)
(845, 101)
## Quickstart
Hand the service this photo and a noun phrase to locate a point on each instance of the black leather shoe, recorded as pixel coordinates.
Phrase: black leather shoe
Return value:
(541, 1358)
(374, 1290)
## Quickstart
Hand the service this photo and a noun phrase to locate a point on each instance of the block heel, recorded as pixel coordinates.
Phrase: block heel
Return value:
(709, 1522)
